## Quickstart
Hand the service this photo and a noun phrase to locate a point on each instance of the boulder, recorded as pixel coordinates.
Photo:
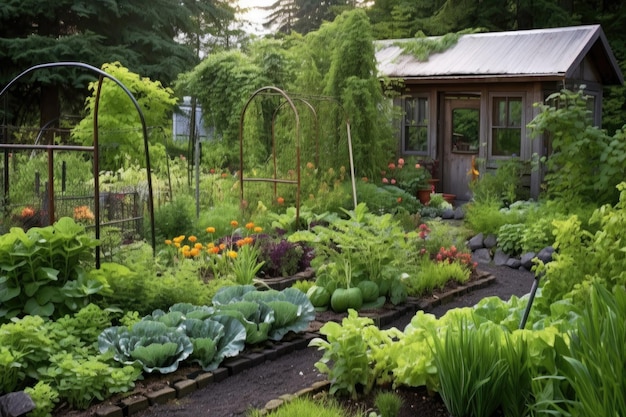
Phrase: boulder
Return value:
(545, 254)
(500, 258)
(476, 242)
(490, 241)
(526, 260)
(16, 404)
(513, 263)
(482, 256)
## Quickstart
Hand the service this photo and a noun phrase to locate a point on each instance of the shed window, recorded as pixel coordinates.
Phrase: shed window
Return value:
(415, 132)
(506, 126)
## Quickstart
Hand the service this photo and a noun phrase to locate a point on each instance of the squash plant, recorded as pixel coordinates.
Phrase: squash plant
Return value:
(360, 248)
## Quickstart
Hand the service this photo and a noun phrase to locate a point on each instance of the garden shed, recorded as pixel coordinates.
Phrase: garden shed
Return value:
(473, 100)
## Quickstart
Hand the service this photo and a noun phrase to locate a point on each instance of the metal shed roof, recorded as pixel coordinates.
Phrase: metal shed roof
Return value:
(543, 53)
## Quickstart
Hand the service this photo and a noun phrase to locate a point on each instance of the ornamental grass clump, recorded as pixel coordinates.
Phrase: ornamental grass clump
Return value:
(471, 374)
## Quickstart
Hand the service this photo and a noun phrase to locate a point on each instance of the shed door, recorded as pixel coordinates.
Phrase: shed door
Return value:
(460, 143)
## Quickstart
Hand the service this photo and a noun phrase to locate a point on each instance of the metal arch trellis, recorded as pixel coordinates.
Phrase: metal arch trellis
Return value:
(275, 180)
(94, 149)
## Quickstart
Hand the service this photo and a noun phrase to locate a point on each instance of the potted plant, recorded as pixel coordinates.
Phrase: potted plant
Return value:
(410, 176)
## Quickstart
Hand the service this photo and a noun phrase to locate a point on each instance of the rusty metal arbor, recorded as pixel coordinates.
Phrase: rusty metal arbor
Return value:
(275, 180)
(6, 147)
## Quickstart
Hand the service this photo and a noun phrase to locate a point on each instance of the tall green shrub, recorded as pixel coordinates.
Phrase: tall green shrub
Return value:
(586, 163)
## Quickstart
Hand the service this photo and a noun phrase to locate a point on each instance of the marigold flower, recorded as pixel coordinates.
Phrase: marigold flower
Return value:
(186, 248)
(210, 245)
(194, 252)
(197, 246)
(193, 239)
(258, 229)
(248, 240)
(213, 250)
(210, 229)
(179, 239)
(168, 242)
(234, 223)
(250, 226)
(280, 201)
(240, 242)
(177, 244)
(222, 246)
(232, 254)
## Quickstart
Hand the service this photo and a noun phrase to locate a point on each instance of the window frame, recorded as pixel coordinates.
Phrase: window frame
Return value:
(522, 126)
(425, 124)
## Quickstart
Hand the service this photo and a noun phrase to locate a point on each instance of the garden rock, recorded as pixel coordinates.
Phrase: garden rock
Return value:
(459, 213)
(476, 242)
(447, 214)
(513, 263)
(490, 241)
(16, 404)
(500, 258)
(482, 256)
(545, 254)
(527, 260)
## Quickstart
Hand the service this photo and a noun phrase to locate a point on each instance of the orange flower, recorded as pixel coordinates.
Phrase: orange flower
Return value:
(399, 200)
(280, 201)
(210, 229)
(179, 239)
(193, 239)
(29, 212)
(222, 246)
(168, 242)
(197, 246)
(234, 223)
(214, 250)
(240, 242)
(177, 244)
(250, 226)
(248, 240)
(194, 252)
(258, 229)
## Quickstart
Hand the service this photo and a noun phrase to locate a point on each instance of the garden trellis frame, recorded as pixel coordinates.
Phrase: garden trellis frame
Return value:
(271, 90)
(94, 149)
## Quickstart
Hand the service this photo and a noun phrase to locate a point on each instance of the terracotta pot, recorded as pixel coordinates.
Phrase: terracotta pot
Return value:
(424, 196)
(449, 198)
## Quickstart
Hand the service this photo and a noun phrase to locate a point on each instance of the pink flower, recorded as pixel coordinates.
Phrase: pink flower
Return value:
(393, 181)
(385, 181)
(401, 161)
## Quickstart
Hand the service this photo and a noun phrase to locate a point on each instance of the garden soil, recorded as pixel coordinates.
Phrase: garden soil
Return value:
(288, 374)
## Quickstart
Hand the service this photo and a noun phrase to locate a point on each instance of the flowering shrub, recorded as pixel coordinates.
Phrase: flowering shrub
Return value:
(450, 255)
(409, 176)
(83, 214)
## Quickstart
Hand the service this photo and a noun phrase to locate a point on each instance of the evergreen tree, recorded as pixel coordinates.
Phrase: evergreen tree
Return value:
(139, 33)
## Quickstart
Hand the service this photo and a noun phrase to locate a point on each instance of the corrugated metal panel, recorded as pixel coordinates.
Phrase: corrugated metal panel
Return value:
(520, 53)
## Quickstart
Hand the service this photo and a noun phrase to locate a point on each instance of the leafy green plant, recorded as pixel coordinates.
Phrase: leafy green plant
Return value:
(487, 216)
(434, 275)
(510, 238)
(43, 270)
(348, 347)
(11, 373)
(586, 163)
(246, 265)
(45, 398)
(582, 256)
(81, 378)
(503, 185)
